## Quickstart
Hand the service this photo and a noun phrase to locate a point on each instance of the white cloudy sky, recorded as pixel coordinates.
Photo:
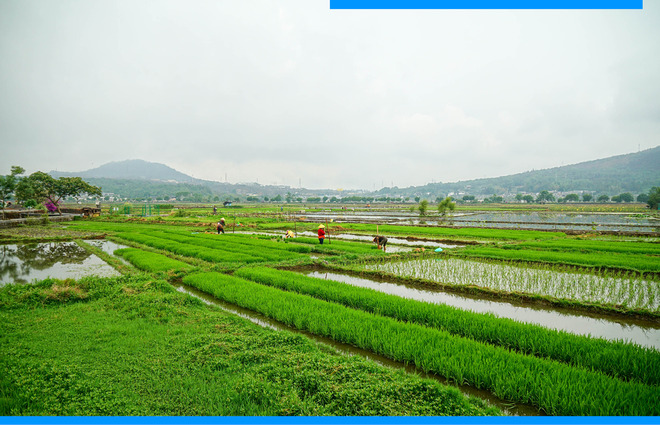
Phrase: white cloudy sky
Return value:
(289, 91)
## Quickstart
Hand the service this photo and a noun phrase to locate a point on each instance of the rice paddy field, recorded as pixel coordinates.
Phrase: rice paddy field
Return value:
(446, 321)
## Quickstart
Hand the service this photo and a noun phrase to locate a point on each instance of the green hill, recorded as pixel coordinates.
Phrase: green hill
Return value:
(635, 173)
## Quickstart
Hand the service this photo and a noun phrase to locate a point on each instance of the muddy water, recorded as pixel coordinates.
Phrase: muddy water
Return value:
(261, 320)
(631, 330)
(25, 263)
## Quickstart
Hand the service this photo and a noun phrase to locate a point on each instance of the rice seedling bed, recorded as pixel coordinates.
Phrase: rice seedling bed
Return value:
(606, 260)
(203, 253)
(625, 361)
(450, 233)
(628, 290)
(554, 387)
(152, 262)
(581, 245)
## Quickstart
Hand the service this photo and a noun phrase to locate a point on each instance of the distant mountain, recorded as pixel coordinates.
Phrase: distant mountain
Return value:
(137, 179)
(635, 173)
(133, 169)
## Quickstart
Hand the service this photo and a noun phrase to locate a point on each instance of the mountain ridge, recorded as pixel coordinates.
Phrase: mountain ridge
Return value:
(635, 172)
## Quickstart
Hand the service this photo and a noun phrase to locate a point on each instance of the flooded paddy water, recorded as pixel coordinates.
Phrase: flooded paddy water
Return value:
(24, 263)
(346, 349)
(637, 331)
(559, 221)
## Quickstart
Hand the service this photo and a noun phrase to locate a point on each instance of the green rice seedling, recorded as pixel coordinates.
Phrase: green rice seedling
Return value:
(208, 254)
(634, 262)
(625, 247)
(341, 247)
(625, 361)
(226, 244)
(454, 233)
(508, 375)
(152, 262)
(582, 287)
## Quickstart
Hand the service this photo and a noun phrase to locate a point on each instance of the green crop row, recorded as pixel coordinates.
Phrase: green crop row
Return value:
(556, 388)
(207, 254)
(625, 247)
(639, 263)
(229, 244)
(334, 246)
(625, 361)
(453, 233)
(150, 261)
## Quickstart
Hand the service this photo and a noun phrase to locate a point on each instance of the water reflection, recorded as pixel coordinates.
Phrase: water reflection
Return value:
(61, 260)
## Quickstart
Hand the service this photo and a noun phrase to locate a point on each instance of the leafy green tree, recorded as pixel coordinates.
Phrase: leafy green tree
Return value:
(603, 198)
(446, 205)
(528, 198)
(417, 198)
(654, 198)
(8, 185)
(469, 198)
(616, 198)
(572, 197)
(519, 197)
(643, 198)
(627, 197)
(423, 206)
(43, 187)
(587, 197)
(277, 198)
(545, 196)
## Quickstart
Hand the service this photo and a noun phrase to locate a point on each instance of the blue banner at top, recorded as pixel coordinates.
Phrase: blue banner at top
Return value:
(486, 4)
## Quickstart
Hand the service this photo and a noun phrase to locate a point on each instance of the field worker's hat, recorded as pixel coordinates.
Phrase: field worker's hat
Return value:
(321, 226)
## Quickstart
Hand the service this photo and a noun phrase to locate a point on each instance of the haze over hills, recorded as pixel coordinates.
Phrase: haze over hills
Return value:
(132, 169)
(635, 173)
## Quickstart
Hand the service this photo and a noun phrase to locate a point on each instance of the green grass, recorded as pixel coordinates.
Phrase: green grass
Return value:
(555, 388)
(135, 346)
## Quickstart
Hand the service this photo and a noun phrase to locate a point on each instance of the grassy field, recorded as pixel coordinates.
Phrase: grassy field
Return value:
(133, 345)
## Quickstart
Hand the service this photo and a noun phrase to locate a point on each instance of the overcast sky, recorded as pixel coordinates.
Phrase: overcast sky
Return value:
(291, 92)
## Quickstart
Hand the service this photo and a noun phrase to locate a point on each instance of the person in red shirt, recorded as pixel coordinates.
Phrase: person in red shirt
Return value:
(321, 233)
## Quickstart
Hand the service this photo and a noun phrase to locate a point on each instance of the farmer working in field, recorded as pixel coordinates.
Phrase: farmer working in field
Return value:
(221, 226)
(321, 233)
(288, 234)
(381, 241)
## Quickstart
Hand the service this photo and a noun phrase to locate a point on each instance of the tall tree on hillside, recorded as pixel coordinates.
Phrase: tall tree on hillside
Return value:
(8, 185)
(42, 187)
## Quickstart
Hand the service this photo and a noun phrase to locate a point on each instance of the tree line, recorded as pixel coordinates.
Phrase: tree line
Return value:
(41, 188)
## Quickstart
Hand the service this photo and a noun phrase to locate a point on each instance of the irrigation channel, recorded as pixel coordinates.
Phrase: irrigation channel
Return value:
(346, 349)
(641, 332)
(556, 221)
(23, 263)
